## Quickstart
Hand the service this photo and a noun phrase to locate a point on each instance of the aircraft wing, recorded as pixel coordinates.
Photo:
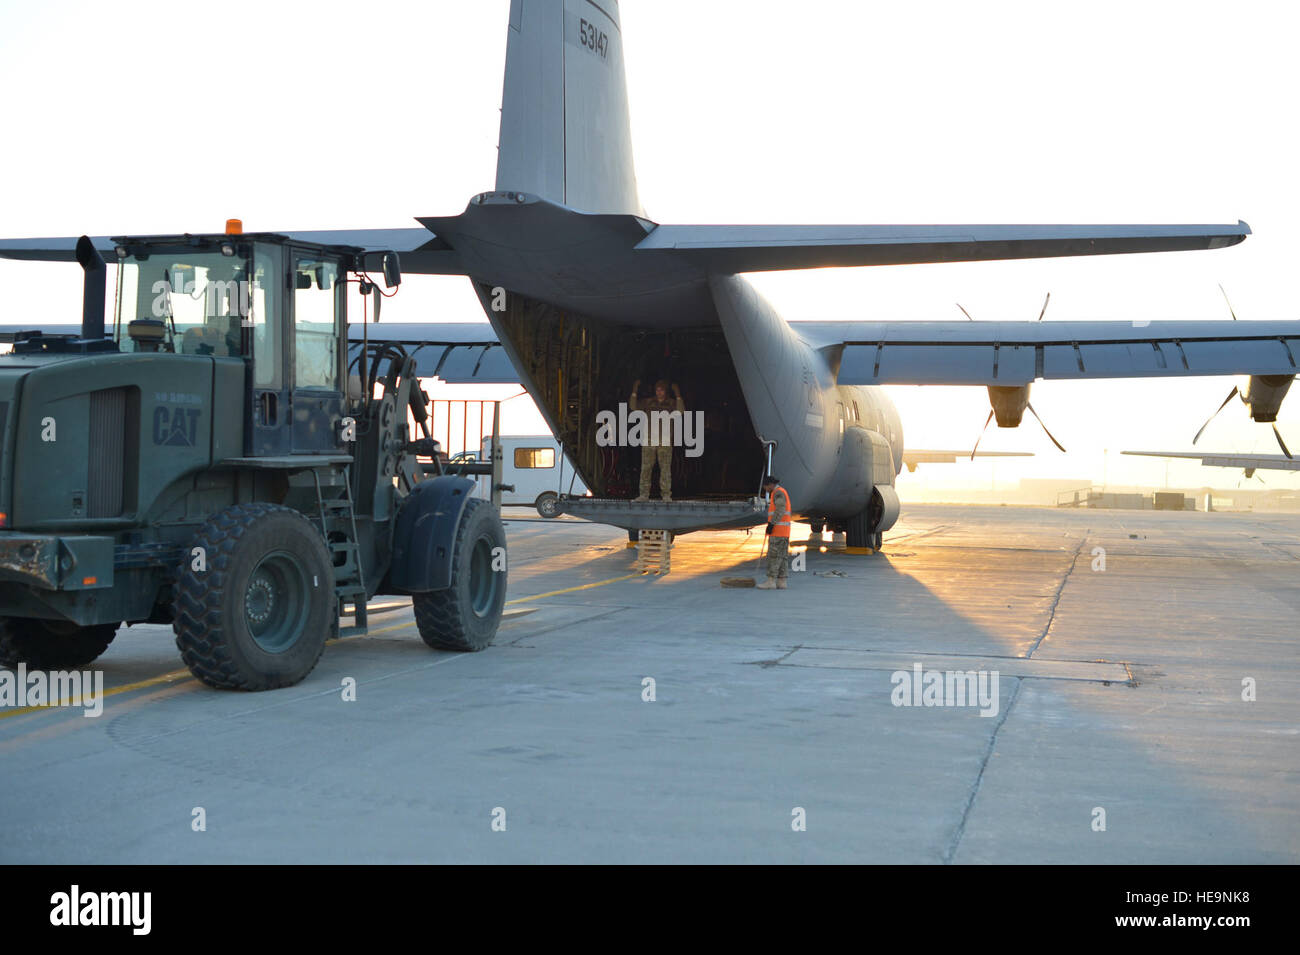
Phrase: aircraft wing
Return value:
(1016, 353)
(761, 248)
(1249, 462)
(421, 251)
(913, 458)
(457, 352)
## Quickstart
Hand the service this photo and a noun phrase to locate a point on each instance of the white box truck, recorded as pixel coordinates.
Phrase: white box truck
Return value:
(533, 464)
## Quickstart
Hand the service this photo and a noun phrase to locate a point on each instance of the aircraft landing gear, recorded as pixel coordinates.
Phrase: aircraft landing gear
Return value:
(861, 529)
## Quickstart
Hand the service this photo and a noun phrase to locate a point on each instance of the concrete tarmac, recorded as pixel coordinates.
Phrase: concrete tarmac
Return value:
(1127, 646)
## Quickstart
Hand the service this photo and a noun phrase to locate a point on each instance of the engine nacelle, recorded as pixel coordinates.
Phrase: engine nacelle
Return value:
(1264, 395)
(1009, 404)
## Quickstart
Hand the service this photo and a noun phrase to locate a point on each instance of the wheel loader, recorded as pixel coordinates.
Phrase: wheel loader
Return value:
(221, 461)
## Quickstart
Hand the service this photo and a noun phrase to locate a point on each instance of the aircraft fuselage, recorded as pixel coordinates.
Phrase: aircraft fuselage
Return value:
(581, 321)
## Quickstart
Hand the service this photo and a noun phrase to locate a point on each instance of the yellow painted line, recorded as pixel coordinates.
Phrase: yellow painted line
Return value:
(187, 677)
(152, 681)
(370, 633)
(516, 600)
(47, 730)
(570, 590)
(174, 675)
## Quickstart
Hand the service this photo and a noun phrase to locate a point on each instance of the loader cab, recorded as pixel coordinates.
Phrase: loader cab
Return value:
(298, 373)
(277, 307)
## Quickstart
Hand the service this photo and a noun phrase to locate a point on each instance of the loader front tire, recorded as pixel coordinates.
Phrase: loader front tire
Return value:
(465, 616)
(255, 604)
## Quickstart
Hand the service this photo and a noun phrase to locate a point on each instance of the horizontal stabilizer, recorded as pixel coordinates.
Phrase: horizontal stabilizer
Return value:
(421, 251)
(762, 248)
(55, 249)
(456, 352)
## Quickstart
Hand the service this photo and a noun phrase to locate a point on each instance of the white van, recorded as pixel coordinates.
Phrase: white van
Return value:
(534, 465)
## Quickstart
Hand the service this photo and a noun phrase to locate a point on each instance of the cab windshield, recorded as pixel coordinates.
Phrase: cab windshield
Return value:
(188, 301)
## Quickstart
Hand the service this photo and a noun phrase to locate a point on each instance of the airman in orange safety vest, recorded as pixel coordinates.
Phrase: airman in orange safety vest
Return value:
(778, 531)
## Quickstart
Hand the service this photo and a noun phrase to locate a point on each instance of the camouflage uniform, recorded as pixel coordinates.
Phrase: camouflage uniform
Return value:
(778, 548)
(662, 451)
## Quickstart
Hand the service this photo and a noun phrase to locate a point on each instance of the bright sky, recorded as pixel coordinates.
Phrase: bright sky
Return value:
(138, 117)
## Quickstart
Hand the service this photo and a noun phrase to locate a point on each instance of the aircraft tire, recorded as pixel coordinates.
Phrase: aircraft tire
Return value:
(859, 532)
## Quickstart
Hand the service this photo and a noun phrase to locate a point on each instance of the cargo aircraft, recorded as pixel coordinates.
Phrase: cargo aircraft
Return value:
(584, 294)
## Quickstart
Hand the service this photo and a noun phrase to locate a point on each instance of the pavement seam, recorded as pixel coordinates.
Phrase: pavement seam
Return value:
(958, 654)
(951, 850)
(890, 669)
(560, 626)
(1051, 613)
(955, 840)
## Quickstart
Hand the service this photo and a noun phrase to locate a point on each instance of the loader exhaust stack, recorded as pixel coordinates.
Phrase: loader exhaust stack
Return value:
(92, 299)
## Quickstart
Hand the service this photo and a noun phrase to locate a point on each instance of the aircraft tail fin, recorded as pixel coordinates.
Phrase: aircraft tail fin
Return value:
(565, 134)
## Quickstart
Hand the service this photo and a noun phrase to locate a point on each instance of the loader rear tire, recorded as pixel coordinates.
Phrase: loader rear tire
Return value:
(465, 616)
(51, 645)
(258, 613)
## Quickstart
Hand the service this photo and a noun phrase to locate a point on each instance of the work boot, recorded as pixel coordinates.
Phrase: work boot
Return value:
(780, 583)
(667, 497)
(641, 498)
(769, 584)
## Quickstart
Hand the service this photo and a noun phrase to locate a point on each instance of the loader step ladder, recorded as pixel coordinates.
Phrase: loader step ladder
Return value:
(653, 551)
(338, 522)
